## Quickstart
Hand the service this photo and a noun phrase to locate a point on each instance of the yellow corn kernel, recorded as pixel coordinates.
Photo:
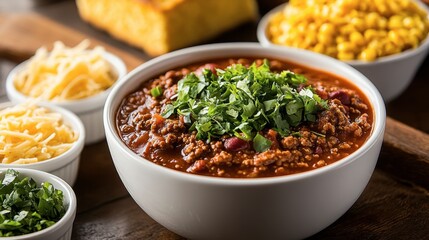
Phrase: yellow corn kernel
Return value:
(312, 26)
(311, 38)
(358, 23)
(420, 25)
(408, 22)
(295, 43)
(404, 4)
(340, 39)
(390, 48)
(372, 19)
(293, 34)
(302, 27)
(394, 7)
(368, 54)
(413, 41)
(394, 37)
(395, 21)
(331, 51)
(382, 23)
(347, 29)
(381, 8)
(363, 6)
(282, 39)
(345, 56)
(347, 4)
(375, 44)
(345, 47)
(371, 8)
(382, 33)
(415, 32)
(370, 34)
(325, 39)
(357, 38)
(327, 28)
(325, 12)
(302, 44)
(319, 48)
(403, 33)
(284, 27)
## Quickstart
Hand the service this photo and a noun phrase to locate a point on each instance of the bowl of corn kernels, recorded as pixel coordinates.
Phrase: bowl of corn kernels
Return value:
(386, 40)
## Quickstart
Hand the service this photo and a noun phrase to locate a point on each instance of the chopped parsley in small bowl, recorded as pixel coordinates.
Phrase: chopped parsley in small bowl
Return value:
(35, 205)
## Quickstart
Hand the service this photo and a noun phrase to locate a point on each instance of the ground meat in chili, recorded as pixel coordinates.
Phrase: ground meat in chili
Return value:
(338, 131)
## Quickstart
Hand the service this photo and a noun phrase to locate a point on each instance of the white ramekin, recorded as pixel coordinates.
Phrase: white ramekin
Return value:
(66, 165)
(61, 230)
(89, 110)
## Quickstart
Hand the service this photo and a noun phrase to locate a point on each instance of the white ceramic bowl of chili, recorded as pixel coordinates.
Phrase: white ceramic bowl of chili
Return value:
(61, 230)
(89, 110)
(66, 165)
(391, 74)
(286, 207)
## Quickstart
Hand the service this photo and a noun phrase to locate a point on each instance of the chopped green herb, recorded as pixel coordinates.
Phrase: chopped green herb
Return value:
(318, 134)
(242, 101)
(26, 207)
(260, 143)
(156, 91)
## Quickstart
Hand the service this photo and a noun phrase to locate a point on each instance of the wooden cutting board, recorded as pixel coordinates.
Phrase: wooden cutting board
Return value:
(405, 150)
(22, 34)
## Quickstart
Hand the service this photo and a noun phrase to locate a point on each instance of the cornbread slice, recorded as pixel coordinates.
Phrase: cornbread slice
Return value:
(160, 26)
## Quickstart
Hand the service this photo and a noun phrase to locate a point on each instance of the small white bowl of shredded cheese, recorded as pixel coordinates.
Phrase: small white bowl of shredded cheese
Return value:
(46, 138)
(75, 78)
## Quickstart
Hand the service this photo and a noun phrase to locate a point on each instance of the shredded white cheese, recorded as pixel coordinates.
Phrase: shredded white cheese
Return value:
(65, 73)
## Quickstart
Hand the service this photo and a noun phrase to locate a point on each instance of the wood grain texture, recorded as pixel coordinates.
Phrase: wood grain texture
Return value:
(405, 153)
(122, 219)
(23, 33)
(97, 182)
(387, 209)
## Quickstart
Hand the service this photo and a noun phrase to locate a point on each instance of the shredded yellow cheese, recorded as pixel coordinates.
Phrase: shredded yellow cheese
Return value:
(65, 73)
(30, 134)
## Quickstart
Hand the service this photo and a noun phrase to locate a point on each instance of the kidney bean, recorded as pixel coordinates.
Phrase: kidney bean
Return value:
(235, 144)
(318, 150)
(340, 95)
(210, 66)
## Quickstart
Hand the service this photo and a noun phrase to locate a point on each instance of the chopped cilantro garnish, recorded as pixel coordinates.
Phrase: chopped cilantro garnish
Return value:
(156, 91)
(26, 207)
(242, 101)
(260, 143)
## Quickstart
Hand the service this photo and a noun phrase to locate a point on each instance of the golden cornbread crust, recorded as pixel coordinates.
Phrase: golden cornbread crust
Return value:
(160, 26)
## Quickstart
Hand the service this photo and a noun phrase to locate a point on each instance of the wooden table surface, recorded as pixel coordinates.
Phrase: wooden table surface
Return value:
(393, 206)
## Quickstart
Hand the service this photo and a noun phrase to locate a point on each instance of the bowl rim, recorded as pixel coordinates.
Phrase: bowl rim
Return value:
(59, 161)
(261, 35)
(114, 140)
(68, 194)
(84, 105)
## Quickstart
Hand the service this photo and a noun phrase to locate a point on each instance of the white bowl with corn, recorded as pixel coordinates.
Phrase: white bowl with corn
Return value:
(75, 78)
(387, 40)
